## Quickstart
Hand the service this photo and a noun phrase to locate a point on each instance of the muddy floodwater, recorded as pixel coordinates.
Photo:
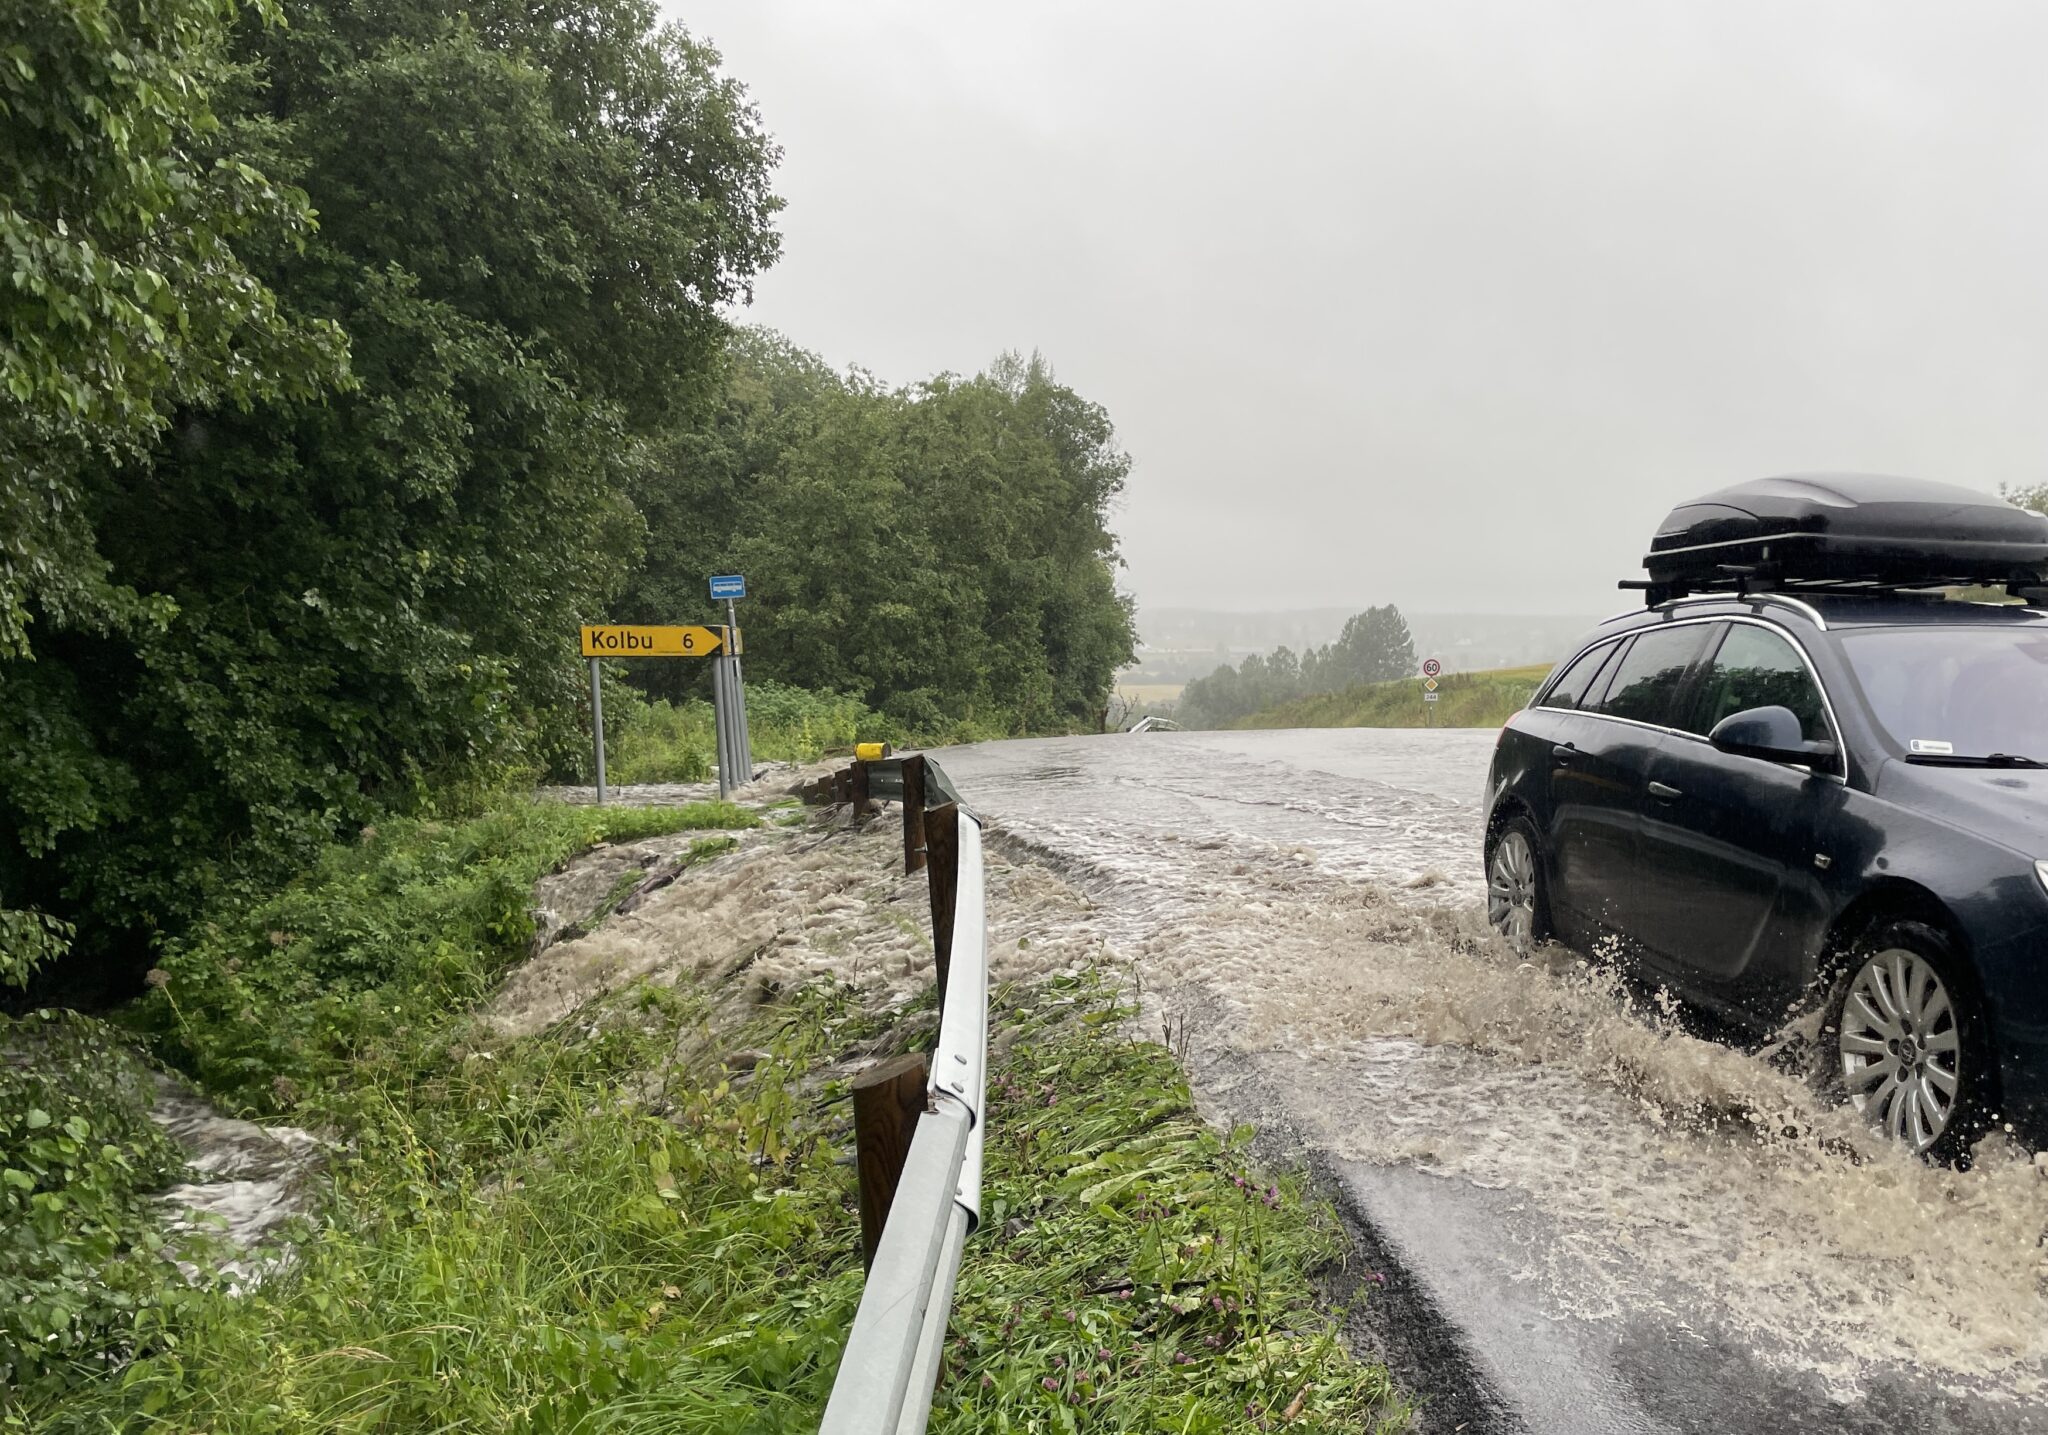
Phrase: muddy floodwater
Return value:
(1597, 1220)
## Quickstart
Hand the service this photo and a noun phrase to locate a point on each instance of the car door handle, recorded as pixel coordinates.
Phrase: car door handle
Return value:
(1563, 753)
(1664, 794)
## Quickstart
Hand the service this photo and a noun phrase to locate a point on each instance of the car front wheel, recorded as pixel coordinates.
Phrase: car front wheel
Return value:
(1909, 1051)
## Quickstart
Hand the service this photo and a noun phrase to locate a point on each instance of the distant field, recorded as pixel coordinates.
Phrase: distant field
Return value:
(1463, 700)
(1151, 692)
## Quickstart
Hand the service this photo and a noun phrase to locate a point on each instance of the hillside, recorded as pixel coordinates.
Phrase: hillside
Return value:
(1483, 699)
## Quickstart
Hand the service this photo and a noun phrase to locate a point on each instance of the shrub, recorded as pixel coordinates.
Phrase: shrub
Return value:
(675, 742)
(83, 1267)
(380, 945)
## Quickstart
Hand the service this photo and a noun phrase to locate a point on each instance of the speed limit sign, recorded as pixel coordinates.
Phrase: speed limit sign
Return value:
(1431, 667)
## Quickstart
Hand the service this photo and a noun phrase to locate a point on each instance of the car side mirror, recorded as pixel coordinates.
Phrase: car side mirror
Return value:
(1771, 733)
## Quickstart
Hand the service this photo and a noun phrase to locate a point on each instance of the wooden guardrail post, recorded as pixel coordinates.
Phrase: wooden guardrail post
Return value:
(942, 848)
(888, 1098)
(863, 807)
(913, 813)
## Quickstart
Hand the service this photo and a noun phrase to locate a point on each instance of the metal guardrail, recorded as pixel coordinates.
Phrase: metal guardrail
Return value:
(891, 1363)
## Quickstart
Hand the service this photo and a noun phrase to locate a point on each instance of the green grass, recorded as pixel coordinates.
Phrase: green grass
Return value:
(675, 742)
(372, 953)
(579, 1232)
(1483, 699)
(1133, 1272)
(540, 1240)
(537, 1241)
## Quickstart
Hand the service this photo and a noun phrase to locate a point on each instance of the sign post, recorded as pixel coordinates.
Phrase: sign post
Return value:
(597, 727)
(1430, 668)
(631, 640)
(729, 691)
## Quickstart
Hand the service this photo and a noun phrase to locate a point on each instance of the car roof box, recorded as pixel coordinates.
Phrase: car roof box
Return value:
(1835, 530)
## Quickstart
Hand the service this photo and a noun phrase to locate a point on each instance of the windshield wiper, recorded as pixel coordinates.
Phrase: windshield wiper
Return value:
(1990, 759)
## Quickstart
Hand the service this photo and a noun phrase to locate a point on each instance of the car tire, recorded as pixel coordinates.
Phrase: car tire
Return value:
(1904, 1041)
(1516, 905)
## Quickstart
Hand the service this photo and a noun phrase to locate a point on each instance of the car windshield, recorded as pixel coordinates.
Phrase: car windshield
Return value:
(1956, 692)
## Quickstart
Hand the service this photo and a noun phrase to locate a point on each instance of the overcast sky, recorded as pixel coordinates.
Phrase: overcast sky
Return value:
(1436, 303)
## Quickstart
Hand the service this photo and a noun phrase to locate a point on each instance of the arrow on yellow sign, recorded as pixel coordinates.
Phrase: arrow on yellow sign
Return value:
(617, 640)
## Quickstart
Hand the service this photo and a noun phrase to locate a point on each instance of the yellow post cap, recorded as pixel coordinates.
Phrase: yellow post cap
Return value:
(871, 751)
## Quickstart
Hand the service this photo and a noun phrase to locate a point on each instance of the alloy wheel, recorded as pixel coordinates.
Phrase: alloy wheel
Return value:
(1511, 890)
(1901, 1050)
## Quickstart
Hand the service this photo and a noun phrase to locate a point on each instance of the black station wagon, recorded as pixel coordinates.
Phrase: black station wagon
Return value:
(1805, 774)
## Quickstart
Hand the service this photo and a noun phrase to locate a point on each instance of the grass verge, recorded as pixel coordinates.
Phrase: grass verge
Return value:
(582, 1232)
(1484, 699)
(661, 741)
(1133, 1271)
(371, 954)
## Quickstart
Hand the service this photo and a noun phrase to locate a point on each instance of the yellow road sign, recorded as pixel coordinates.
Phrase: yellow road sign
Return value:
(616, 640)
(1429, 684)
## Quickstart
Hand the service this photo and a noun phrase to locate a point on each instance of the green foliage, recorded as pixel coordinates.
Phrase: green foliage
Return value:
(574, 1232)
(379, 948)
(1374, 647)
(127, 213)
(568, 1234)
(308, 602)
(940, 552)
(1485, 699)
(1132, 1272)
(27, 940)
(83, 1264)
(676, 742)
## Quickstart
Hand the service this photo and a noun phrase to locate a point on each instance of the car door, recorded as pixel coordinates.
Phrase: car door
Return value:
(1727, 843)
(1600, 769)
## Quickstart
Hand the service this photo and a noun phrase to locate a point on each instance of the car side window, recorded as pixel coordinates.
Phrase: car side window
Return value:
(1571, 685)
(1647, 679)
(1756, 668)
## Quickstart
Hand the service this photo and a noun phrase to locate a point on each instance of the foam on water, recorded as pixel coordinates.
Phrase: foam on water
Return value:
(1332, 919)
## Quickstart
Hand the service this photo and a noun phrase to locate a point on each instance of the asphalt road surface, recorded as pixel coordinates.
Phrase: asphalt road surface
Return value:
(1575, 1212)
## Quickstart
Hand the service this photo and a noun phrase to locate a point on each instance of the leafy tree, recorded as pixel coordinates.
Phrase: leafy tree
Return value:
(530, 215)
(1374, 647)
(122, 205)
(941, 552)
(126, 210)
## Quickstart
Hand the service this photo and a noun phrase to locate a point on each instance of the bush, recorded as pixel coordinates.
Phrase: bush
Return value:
(381, 945)
(83, 1266)
(567, 1234)
(676, 742)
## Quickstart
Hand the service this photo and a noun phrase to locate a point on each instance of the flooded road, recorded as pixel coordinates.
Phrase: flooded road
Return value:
(1609, 1224)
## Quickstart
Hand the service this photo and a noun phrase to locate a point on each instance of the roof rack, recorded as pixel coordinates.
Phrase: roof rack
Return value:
(1748, 583)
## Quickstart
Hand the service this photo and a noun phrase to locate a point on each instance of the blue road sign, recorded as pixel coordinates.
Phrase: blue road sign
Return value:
(732, 585)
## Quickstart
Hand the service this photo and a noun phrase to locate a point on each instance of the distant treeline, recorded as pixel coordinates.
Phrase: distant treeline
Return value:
(355, 354)
(1374, 647)
(940, 551)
